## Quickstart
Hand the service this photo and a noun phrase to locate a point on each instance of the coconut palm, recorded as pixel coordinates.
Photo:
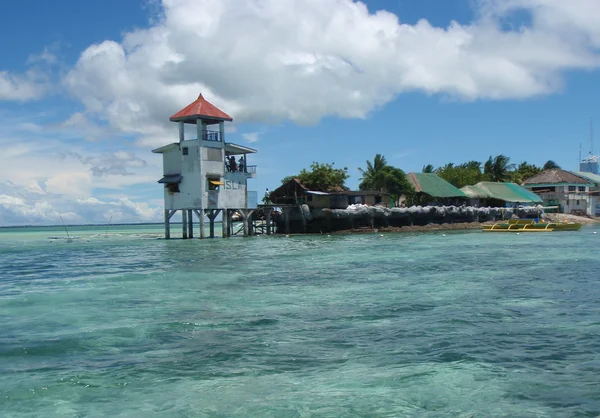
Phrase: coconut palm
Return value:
(429, 168)
(373, 176)
(498, 168)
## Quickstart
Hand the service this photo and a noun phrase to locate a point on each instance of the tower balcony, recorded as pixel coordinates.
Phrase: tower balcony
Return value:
(249, 171)
(213, 136)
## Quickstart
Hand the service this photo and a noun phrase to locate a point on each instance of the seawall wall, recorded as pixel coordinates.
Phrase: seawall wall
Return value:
(303, 219)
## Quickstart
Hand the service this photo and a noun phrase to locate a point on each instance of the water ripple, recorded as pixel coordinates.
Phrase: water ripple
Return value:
(406, 325)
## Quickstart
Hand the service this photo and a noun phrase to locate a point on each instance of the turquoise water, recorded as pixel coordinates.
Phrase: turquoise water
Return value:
(122, 323)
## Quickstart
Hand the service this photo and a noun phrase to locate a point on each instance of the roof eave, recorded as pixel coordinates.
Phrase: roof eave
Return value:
(194, 118)
(165, 148)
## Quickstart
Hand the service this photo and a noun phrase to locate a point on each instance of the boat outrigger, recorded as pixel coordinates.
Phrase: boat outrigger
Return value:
(532, 225)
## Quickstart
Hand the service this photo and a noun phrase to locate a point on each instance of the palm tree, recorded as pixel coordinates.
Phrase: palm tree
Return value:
(498, 168)
(471, 165)
(551, 165)
(429, 168)
(372, 176)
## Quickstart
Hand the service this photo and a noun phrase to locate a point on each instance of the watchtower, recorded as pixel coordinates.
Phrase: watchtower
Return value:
(205, 175)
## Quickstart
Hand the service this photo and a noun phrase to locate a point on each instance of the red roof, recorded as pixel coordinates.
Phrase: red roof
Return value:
(200, 108)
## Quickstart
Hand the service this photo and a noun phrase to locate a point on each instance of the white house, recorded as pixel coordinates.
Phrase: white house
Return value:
(205, 175)
(564, 189)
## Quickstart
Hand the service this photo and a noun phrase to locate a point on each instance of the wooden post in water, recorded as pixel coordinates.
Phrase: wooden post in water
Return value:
(286, 218)
(268, 219)
(304, 223)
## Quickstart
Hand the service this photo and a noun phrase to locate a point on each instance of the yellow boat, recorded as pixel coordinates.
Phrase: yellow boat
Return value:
(530, 225)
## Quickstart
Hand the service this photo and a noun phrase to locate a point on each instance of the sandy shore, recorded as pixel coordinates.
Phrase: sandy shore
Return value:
(560, 217)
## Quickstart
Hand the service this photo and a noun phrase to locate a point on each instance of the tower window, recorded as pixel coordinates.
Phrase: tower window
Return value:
(184, 151)
(214, 182)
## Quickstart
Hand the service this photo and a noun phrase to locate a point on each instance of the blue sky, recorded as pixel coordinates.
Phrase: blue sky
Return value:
(86, 90)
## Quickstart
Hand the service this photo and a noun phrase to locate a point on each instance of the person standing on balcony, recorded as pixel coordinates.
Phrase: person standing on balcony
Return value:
(232, 166)
(242, 164)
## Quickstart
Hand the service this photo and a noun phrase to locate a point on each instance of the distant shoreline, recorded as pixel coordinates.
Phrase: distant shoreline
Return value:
(76, 225)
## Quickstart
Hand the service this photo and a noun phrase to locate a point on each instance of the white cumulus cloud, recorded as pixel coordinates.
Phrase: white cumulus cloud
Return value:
(22, 87)
(20, 206)
(302, 60)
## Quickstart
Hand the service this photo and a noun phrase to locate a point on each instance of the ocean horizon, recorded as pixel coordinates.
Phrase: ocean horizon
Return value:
(448, 323)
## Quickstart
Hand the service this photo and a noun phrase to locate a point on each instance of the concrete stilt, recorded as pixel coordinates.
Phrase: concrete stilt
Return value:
(211, 218)
(225, 223)
(249, 215)
(184, 223)
(202, 231)
(200, 214)
(245, 221)
(167, 224)
(190, 223)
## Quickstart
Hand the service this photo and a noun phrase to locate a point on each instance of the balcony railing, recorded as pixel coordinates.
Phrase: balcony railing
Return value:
(249, 170)
(214, 136)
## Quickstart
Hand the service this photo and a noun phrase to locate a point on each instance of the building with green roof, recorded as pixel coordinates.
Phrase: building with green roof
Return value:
(432, 189)
(487, 193)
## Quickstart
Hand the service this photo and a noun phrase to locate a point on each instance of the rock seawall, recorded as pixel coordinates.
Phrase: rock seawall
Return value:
(303, 219)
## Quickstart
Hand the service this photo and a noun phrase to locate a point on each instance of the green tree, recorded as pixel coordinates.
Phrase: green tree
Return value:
(465, 174)
(524, 171)
(323, 176)
(429, 168)
(381, 177)
(551, 165)
(373, 176)
(498, 168)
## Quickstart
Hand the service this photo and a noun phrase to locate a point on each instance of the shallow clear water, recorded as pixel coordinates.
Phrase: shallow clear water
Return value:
(122, 323)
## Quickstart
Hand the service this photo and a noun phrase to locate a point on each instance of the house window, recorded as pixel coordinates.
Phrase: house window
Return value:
(572, 188)
(173, 187)
(567, 202)
(577, 203)
(309, 198)
(356, 200)
(377, 200)
(582, 188)
(214, 182)
(185, 151)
